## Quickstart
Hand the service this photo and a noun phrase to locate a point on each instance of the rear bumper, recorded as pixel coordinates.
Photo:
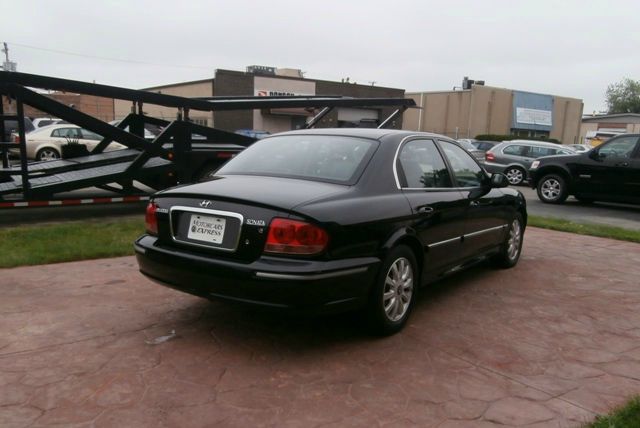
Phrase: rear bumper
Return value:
(310, 286)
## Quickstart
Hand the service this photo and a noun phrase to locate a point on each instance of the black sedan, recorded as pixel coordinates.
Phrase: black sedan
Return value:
(331, 220)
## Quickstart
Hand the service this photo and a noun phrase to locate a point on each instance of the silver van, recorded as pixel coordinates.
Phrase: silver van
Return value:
(513, 158)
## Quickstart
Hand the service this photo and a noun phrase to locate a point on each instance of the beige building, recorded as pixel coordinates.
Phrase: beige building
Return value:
(489, 110)
(602, 127)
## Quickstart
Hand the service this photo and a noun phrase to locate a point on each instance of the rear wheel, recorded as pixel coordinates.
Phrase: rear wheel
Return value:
(515, 175)
(47, 154)
(512, 246)
(394, 292)
(552, 189)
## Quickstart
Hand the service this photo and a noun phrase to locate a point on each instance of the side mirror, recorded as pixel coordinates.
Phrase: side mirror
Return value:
(596, 155)
(499, 180)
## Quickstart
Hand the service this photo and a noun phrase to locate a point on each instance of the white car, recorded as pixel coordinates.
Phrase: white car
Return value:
(44, 143)
(41, 122)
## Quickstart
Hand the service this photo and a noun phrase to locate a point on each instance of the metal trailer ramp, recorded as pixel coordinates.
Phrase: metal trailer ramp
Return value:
(83, 175)
(173, 157)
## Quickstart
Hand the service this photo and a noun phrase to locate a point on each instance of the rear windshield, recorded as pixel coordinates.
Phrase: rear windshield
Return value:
(334, 159)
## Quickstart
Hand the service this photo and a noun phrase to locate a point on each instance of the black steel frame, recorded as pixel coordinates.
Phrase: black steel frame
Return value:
(177, 133)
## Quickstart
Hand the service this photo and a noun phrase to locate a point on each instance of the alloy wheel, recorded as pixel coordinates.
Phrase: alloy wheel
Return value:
(48, 154)
(515, 236)
(398, 289)
(550, 189)
(514, 175)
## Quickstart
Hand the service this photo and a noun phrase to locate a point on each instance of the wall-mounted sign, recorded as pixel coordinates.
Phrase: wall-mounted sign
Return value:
(532, 111)
(532, 116)
(267, 93)
(261, 69)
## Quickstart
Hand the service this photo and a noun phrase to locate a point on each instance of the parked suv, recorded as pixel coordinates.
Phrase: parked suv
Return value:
(609, 172)
(513, 158)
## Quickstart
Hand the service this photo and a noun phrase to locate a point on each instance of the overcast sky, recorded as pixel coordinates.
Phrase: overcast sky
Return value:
(569, 48)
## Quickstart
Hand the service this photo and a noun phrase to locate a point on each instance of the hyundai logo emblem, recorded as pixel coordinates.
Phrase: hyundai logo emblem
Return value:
(205, 204)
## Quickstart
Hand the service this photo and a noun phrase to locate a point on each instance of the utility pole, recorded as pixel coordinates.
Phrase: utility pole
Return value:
(7, 65)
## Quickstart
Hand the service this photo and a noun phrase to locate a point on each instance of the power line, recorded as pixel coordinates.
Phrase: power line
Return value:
(130, 61)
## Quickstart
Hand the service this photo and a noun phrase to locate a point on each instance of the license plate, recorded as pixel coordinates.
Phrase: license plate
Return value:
(206, 228)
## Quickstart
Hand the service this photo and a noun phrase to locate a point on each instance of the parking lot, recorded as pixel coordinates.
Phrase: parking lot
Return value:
(93, 343)
(618, 215)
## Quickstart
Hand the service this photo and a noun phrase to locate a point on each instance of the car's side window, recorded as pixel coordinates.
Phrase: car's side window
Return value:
(56, 133)
(466, 171)
(422, 166)
(620, 148)
(88, 135)
(537, 152)
(514, 149)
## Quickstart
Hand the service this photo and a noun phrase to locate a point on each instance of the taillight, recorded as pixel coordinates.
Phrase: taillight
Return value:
(489, 156)
(295, 237)
(150, 219)
(16, 138)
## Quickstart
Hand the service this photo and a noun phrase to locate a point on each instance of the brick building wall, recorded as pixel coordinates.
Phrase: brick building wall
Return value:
(98, 107)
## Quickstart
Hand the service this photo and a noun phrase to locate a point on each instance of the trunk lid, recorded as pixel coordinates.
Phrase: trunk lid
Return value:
(229, 216)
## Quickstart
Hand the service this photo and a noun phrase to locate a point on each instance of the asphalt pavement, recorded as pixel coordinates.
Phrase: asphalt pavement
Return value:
(619, 215)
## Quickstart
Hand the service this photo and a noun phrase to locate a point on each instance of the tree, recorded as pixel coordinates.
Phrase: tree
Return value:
(624, 96)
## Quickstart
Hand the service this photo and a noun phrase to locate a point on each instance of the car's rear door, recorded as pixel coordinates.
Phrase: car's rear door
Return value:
(486, 213)
(438, 209)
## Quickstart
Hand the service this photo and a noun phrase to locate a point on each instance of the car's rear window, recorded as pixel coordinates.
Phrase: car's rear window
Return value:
(335, 159)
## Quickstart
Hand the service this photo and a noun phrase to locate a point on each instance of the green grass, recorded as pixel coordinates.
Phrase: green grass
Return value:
(83, 240)
(54, 243)
(627, 416)
(585, 229)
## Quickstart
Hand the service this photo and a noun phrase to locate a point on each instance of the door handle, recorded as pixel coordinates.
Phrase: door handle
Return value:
(622, 164)
(424, 209)
(474, 203)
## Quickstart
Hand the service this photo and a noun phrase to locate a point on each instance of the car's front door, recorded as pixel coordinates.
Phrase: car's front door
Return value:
(438, 209)
(633, 173)
(608, 170)
(486, 213)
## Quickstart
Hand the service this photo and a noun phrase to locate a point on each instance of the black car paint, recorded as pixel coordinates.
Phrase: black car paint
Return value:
(364, 221)
(591, 177)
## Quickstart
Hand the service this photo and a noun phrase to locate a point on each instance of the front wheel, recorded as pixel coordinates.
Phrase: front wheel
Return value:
(552, 189)
(515, 175)
(394, 292)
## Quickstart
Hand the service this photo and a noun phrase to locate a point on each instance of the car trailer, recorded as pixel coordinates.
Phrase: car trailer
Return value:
(182, 153)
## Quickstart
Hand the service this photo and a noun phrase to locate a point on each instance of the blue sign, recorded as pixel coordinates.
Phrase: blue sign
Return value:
(532, 111)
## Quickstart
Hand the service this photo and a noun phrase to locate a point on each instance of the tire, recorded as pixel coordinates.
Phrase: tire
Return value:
(47, 154)
(515, 175)
(393, 293)
(512, 247)
(552, 189)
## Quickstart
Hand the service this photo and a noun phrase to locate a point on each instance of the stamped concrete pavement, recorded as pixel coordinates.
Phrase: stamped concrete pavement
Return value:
(549, 343)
